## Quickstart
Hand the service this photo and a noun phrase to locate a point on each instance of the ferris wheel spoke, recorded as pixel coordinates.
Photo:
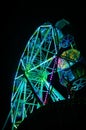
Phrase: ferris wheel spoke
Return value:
(37, 89)
(54, 94)
(22, 64)
(41, 64)
(18, 107)
(16, 89)
(19, 76)
(79, 83)
(47, 51)
(34, 44)
(41, 44)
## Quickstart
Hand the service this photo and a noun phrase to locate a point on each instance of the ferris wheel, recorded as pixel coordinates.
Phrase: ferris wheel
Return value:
(48, 51)
(32, 85)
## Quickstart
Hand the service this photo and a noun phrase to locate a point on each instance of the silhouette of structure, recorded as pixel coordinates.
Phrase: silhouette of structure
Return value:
(50, 61)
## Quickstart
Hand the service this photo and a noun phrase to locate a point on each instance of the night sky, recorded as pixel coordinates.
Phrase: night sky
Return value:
(18, 23)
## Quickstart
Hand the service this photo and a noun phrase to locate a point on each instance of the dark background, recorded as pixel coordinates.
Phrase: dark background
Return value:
(18, 22)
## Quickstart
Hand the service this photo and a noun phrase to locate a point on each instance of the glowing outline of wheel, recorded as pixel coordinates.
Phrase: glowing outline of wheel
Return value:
(27, 94)
(79, 76)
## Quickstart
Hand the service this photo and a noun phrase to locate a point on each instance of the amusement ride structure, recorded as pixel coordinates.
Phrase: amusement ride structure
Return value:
(50, 50)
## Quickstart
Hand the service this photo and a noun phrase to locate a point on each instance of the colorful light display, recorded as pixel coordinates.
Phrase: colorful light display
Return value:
(49, 50)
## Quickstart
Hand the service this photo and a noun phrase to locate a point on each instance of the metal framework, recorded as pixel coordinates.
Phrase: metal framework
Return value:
(48, 51)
